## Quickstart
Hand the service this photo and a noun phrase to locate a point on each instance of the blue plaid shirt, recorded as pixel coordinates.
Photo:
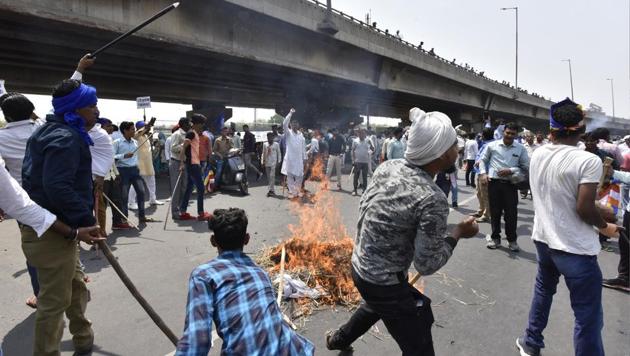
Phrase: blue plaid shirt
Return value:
(238, 296)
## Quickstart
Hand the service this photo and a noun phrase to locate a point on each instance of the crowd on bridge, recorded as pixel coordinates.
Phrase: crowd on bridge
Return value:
(62, 172)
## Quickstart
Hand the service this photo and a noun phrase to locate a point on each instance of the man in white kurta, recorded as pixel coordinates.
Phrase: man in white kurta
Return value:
(294, 157)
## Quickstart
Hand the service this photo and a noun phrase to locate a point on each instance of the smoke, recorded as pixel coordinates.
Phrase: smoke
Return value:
(595, 120)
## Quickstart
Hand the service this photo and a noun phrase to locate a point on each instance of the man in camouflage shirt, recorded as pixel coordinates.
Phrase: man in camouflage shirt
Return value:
(403, 219)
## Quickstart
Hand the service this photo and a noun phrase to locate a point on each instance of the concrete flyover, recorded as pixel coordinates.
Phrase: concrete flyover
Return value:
(258, 53)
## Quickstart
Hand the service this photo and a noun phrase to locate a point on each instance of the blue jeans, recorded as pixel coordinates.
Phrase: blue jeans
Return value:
(131, 176)
(219, 171)
(584, 281)
(194, 177)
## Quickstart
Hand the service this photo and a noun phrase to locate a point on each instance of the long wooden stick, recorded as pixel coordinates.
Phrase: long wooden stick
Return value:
(121, 213)
(281, 284)
(136, 29)
(607, 163)
(170, 201)
(415, 278)
(136, 294)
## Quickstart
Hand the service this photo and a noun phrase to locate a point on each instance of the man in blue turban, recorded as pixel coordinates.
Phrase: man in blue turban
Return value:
(57, 174)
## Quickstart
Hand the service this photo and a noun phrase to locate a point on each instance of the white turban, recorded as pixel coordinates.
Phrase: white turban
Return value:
(430, 136)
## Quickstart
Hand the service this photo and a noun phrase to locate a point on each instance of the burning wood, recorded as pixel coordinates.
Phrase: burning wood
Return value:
(319, 249)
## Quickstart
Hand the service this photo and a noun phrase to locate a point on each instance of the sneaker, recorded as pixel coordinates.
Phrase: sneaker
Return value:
(482, 220)
(617, 283)
(132, 206)
(204, 216)
(525, 349)
(354, 193)
(123, 226)
(493, 244)
(334, 342)
(513, 246)
(156, 202)
(185, 216)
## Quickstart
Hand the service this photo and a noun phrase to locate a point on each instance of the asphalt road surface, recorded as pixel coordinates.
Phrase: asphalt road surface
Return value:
(480, 298)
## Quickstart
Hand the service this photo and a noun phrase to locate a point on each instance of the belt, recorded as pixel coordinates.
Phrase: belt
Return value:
(335, 154)
(505, 181)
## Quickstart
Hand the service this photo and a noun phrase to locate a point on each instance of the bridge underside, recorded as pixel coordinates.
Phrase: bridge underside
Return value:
(37, 52)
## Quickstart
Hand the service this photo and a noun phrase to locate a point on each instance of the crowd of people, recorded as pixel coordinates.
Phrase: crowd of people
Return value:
(62, 172)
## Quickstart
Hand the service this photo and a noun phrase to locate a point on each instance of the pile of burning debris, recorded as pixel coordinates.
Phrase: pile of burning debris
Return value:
(317, 253)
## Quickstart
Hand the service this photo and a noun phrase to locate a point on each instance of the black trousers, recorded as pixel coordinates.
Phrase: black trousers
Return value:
(111, 188)
(362, 169)
(624, 250)
(503, 198)
(397, 305)
(470, 172)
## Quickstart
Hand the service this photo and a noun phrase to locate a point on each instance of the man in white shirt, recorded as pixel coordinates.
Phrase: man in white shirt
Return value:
(471, 149)
(564, 183)
(361, 152)
(18, 112)
(102, 160)
(295, 156)
(270, 158)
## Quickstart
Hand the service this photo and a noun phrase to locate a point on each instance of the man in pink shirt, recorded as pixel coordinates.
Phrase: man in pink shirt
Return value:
(603, 135)
(192, 165)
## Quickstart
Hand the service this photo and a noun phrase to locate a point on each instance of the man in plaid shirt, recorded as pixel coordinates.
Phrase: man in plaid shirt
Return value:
(238, 296)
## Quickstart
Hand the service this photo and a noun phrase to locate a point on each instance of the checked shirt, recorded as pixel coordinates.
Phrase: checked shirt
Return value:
(238, 296)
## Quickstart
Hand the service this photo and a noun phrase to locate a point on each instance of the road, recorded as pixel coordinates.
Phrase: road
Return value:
(480, 298)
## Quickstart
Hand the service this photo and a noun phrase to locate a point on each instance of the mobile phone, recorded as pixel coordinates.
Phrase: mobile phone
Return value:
(152, 121)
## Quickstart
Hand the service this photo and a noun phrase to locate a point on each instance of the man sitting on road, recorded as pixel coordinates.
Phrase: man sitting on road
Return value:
(237, 295)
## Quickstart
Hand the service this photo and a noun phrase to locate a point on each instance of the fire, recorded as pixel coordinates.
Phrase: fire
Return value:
(320, 248)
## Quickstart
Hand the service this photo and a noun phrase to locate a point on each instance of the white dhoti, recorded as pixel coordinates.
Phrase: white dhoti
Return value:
(294, 184)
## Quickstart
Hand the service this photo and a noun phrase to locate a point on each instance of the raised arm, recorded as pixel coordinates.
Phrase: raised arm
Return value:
(287, 120)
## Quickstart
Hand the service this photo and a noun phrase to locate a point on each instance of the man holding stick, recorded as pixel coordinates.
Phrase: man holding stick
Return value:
(178, 186)
(125, 153)
(57, 175)
(403, 219)
(564, 183)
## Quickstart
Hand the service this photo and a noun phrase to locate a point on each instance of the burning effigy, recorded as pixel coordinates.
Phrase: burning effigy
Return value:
(318, 251)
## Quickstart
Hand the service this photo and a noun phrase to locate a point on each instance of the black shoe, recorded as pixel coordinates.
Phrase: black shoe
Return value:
(473, 186)
(454, 204)
(525, 349)
(617, 283)
(270, 194)
(334, 341)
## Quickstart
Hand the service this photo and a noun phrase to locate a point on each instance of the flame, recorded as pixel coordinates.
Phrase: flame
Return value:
(320, 248)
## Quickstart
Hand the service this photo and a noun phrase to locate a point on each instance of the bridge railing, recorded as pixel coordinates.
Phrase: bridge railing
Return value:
(431, 52)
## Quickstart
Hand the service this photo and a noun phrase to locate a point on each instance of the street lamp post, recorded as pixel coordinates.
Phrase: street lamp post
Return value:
(570, 76)
(515, 8)
(612, 95)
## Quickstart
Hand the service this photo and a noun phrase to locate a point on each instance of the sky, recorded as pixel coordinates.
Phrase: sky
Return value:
(593, 34)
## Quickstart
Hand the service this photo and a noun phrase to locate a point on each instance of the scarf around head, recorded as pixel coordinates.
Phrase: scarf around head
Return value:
(555, 125)
(66, 106)
(431, 134)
